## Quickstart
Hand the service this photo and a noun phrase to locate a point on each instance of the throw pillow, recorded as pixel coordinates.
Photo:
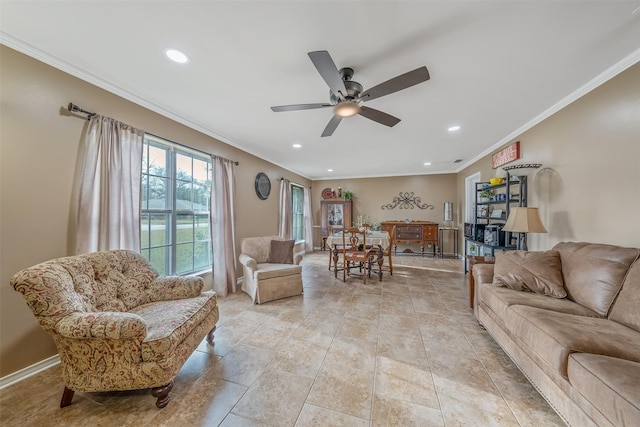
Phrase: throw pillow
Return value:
(281, 251)
(539, 272)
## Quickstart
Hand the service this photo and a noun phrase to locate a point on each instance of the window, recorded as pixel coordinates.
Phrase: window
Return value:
(176, 187)
(297, 212)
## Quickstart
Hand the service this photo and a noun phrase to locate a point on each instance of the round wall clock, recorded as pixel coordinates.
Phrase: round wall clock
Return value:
(263, 186)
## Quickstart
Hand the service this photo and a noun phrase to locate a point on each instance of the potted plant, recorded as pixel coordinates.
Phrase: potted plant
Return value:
(347, 195)
(485, 195)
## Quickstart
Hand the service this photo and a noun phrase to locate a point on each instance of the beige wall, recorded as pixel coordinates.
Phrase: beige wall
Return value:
(591, 191)
(588, 188)
(373, 193)
(39, 153)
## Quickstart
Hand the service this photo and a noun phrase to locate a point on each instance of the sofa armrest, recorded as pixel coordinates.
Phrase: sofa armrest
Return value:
(248, 262)
(175, 287)
(102, 324)
(482, 273)
(298, 252)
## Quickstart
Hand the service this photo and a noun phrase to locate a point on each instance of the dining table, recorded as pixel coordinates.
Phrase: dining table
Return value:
(378, 238)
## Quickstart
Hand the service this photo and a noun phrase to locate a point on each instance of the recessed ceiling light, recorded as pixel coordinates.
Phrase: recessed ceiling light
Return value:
(177, 56)
(453, 128)
(296, 145)
(427, 163)
(329, 170)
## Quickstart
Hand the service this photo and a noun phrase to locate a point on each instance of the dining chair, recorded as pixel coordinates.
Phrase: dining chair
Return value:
(340, 248)
(355, 255)
(385, 252)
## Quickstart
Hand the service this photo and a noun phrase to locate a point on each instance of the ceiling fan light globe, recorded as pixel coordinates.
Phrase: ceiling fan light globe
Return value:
(346, 109)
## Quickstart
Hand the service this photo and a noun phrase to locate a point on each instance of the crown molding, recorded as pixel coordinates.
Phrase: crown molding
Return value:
(600, 79)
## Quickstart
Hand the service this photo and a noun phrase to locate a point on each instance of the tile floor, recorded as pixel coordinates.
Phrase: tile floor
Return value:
(406, 351)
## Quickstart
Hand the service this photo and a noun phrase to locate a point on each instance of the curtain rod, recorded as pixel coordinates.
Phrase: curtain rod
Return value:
(73, 108)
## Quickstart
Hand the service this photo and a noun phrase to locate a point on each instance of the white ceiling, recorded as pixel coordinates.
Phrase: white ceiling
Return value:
(497, 68)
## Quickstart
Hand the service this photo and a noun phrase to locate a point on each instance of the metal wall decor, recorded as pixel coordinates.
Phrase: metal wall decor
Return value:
(407, 201)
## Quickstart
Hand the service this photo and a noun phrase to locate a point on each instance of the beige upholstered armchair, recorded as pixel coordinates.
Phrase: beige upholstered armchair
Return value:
(116, 324)
(271, 268)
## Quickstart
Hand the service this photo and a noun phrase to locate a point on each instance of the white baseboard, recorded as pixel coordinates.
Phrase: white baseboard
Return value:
(29, 371)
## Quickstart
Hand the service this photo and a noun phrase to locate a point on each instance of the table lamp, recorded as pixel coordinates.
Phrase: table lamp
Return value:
(524, 220)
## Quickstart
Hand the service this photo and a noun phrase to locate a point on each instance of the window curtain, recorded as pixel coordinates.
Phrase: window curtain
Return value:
(109, 204)
(308, 220)
(285, 219)
(223, 228)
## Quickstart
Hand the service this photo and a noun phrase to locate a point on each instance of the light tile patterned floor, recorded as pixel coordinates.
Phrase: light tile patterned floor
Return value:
(406, 351)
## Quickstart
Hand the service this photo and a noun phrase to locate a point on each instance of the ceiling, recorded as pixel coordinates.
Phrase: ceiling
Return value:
(497, 68)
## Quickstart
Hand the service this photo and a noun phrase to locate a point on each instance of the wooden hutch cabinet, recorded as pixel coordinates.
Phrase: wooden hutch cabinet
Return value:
(422, 232)
(335, 213)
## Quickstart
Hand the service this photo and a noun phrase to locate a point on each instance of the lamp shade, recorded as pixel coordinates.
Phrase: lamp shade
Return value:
(524, 220)
(448, 211)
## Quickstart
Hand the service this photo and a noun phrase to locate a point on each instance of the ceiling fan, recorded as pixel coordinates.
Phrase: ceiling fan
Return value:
(345, 95)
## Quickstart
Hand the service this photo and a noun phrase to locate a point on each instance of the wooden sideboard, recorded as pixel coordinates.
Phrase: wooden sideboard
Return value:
(423, 232)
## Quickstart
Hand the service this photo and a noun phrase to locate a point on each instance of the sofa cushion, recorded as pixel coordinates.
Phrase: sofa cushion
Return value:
(593, 273)
(538, 272)
(500, 299)
(612, 385)
(626, 308)
(281, 251)
(268, 271)
(170, 322)
(553, 336)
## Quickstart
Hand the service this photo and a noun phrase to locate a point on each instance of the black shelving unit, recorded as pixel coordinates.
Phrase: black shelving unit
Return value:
(511, 193)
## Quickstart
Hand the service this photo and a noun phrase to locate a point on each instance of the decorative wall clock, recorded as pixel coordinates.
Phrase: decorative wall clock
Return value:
(263, 186)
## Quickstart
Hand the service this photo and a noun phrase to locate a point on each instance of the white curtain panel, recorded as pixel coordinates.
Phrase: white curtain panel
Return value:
(285, 218)
(223, 228)
(308, 220)
(109, 205)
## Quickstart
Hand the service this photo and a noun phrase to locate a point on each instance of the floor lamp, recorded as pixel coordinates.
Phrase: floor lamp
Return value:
(523, 221)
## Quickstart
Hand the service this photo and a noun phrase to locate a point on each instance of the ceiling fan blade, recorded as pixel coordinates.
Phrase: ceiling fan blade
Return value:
(329, 72)
(332, 125)
(299, 107)
(378, 116)
(396, 84)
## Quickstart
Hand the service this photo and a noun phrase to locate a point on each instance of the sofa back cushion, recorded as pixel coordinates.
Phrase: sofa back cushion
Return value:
(593, 273)
(120, 279)
(538, 272)
(258, 248)
(626, 308)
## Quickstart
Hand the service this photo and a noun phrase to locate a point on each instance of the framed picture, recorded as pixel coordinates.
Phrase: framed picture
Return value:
(483, 211)
(496, 213)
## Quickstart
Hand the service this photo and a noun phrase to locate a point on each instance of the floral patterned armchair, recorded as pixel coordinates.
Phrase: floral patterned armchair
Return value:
(116, 324)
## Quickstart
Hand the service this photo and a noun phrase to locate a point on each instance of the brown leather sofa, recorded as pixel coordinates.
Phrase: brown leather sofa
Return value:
(581, 351)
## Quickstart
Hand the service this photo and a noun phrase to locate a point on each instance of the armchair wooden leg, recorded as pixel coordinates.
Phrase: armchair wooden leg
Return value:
(67, 397)
(210, 334)
(162, 393)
